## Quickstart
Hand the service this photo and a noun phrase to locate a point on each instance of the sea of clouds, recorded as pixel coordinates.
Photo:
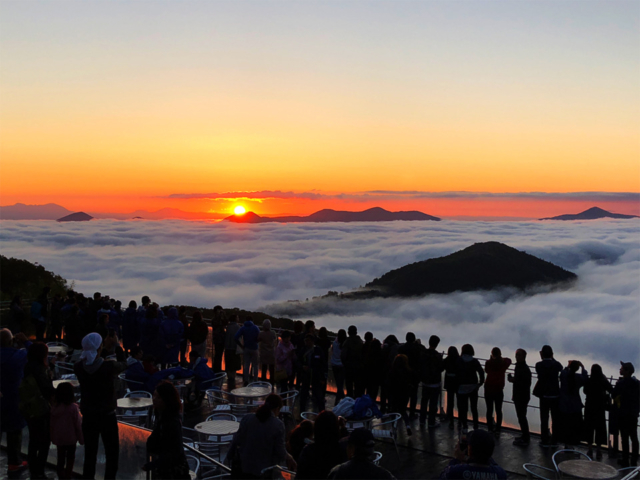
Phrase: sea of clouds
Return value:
(263, 266)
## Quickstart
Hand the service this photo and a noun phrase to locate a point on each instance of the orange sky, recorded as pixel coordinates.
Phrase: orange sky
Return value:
(109, 110)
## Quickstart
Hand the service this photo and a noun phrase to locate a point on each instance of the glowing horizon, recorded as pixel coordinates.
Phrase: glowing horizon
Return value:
(115, 107)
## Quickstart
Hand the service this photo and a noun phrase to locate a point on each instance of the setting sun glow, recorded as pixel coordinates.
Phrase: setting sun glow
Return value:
(239, 210)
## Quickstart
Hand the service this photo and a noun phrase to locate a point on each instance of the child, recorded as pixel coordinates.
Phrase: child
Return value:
(66, 428)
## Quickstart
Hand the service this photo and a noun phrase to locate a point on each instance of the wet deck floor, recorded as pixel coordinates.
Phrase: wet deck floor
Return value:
(425, 454)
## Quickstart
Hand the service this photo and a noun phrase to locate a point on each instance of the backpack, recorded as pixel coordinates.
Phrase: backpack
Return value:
(364, 407)
(36, 310)
(344, 408)
(32, 404)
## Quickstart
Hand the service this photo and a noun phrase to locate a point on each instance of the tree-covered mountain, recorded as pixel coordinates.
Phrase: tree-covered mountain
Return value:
(27, 279)
(482, 266)
(375, 214)
(594, 213)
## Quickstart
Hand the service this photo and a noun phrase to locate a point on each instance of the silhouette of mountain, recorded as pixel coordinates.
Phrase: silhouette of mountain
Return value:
(20, 211)
(76, 217)
(482, 266)
(593, 213)
(375, 214)
(174, 213)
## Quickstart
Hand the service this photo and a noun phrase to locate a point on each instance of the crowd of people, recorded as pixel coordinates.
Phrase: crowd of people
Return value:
(149, 344)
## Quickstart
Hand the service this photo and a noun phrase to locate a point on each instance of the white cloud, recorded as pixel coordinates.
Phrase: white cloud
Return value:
(258, 266)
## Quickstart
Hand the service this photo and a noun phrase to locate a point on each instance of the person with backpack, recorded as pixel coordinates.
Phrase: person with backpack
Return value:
(97, 378)
(36, 393)
(495, 367)
(597, 391)
(431, 367)
(66, 428)
(13, 359)
(470, 379)
(351, 357)
(547, 389)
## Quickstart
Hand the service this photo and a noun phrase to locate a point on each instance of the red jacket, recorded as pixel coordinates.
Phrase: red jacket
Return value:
(495, 368)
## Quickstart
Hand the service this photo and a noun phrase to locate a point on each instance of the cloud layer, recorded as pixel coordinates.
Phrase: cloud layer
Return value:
(263, 266)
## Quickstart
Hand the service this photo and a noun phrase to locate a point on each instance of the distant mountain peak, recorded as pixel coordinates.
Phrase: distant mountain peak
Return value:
(593, 213)
(375, 214)
(76, 217)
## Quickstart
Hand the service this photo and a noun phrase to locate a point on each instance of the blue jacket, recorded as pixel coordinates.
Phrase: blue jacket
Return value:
(176, 372)
(202, 372)
(12, 363)
(172, 332)
(130, 329)
(135, 371)
(150, 340)
(249, 334)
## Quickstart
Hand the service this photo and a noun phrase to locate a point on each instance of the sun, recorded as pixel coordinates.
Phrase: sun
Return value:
(239, 210)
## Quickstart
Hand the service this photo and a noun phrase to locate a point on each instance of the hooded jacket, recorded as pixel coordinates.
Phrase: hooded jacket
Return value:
(249, 334)
(470, 374)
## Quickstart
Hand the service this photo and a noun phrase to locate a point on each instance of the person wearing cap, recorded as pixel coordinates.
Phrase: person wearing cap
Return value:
(97, 388)
(360, 451)
(626, 394)
(473, 458)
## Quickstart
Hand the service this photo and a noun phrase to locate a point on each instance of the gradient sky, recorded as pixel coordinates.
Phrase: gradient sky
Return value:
(114, 106)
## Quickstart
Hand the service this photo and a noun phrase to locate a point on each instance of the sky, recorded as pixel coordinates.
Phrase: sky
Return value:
(262, 267)
(119, 106)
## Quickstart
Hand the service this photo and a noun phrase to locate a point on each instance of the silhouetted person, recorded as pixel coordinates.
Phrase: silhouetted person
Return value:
(40, 313)
(171, 332)
(390, 348)
(37, 372)
(182, 316)
(352, 361)
(475, 460)
(360, 450)
(299, 437)
(285, 362)
(413, 350)
(318, 458)
(495, 367)
(570, 404)
(249, 335)
(470, 378)
(336, 364)
(13, 358)
(165, 442)
(400, 388)
(431, 369)
(627, 394)
(374, 366)
(219, 325)
(451, 381)
(547, 389)
(314, 371)
(198, 334)
(232, 360)
(521, 394)
(130, 327)
(267, 343)
(597, 402)
(97, 378)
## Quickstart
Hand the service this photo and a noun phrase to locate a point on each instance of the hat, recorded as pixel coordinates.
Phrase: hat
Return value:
(627, 366)
(90, 345)
(361, 437)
